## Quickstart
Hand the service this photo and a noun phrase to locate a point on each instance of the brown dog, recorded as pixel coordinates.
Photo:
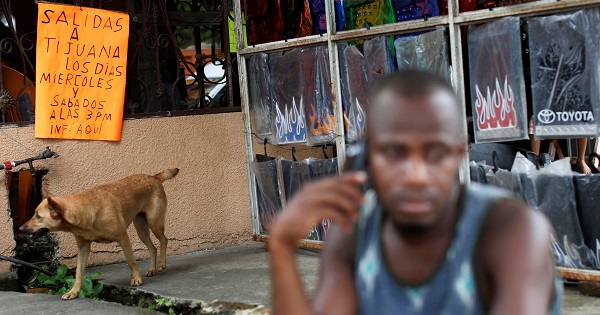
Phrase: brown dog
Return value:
(103, 213)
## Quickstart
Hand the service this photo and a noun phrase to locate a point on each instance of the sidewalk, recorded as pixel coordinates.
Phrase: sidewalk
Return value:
(236, 276)
(14, 303)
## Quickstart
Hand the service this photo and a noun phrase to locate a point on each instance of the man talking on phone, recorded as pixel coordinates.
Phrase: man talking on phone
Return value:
(418, 242)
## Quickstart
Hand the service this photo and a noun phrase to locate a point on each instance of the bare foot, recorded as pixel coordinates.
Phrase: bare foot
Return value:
(585, 169)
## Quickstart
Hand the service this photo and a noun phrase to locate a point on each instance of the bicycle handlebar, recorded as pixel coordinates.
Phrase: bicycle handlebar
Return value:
(8, 165)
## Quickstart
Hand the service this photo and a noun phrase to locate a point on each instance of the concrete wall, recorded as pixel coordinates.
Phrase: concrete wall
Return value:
(209, 204)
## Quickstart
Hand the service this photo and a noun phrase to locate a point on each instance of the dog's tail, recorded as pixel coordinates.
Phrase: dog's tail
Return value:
(167, 174)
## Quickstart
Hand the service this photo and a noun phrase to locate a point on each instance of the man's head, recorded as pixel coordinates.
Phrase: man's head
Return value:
(415, 147)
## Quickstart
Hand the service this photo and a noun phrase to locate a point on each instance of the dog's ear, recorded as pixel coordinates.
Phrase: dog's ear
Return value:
(56, 210)
(46, 193)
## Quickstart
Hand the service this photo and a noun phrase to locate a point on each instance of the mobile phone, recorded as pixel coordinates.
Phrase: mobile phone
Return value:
(356, 160)
(356, 157)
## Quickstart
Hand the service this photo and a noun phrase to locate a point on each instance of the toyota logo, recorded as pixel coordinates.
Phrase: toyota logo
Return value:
(546, 116)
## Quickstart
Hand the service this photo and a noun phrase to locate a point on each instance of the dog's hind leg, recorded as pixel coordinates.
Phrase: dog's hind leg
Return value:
(136, 277)
(82, 257)
(143, 231)
(157, 225)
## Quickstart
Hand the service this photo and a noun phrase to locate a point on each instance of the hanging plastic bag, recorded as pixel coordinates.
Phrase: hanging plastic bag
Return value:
(551, 190)
(358, 71)
(506, 180)
(259, 91)
(378, 58)
(318, 97)
(497, 83)
(477, 173)
(353, 73)
(564, 56)
(268, 193)
(587, 188)
(295, 175)
(427, 51)
(288, 99)
(320, 169)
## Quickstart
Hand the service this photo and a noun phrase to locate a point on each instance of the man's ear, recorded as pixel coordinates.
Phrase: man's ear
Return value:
(46, 193)
(56, 210)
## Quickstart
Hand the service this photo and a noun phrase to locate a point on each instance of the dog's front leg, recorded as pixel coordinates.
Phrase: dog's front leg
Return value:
(136, 277)
(82, 257)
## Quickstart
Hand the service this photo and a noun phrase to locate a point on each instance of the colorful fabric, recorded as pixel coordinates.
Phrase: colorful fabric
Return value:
(264, 23)
(378, 12)
(298, 23)
(415, 9)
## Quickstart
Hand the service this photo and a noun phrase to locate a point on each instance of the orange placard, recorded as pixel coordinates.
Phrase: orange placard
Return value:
(80, 72)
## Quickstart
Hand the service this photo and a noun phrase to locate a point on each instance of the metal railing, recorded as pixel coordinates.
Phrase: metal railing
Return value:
(179, 61)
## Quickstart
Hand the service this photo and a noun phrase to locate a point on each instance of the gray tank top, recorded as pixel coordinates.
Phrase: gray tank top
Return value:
(450, 290)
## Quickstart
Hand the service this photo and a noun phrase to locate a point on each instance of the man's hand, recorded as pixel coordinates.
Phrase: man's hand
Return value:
(337, 199)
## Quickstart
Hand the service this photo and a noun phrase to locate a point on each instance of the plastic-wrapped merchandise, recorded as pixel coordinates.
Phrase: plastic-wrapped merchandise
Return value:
(318, 170)
(497, 84)
(564, 58)
(427, 51)
(477, 173)
(318, 97)
(269, 197)
(378, 58)
(353, 75)
(288, 99)
(357, 71)
(587, 189)
(551, 190)
(264, 22)
(323, 168)
(506, 180)
(499, 155)
(294, 174)
(259, 90)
